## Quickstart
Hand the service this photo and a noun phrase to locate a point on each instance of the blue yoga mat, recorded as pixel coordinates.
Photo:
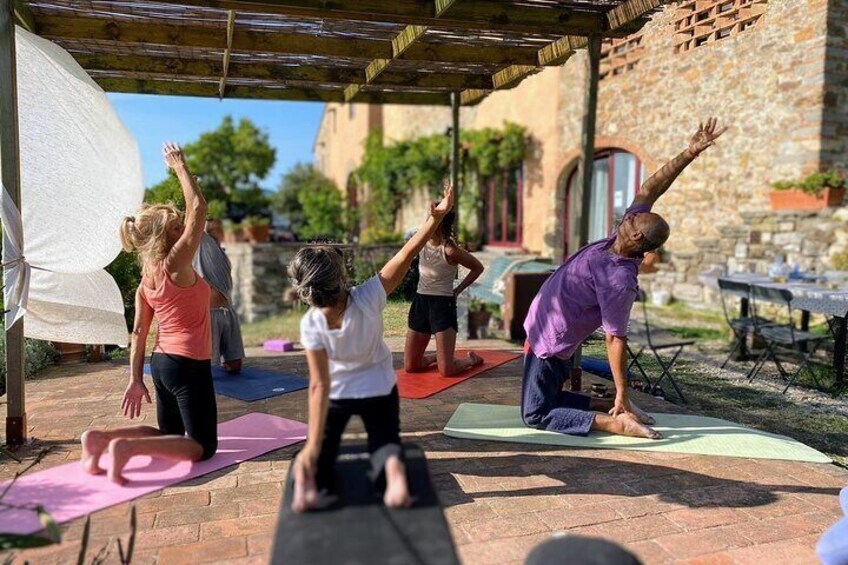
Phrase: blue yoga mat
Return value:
(253, 384)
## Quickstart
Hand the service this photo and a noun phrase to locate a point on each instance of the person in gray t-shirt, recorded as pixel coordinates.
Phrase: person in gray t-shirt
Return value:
(212, 263)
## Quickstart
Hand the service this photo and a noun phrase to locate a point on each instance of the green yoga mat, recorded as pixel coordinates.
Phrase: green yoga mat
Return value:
(681, 434)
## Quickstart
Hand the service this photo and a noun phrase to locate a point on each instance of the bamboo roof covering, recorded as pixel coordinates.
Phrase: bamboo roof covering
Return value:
(370, 51)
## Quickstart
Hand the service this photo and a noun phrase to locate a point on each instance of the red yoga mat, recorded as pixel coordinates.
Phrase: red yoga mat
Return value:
(428, 383)
(67, 492)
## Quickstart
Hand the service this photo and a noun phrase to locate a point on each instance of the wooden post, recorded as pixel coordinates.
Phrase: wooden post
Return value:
(588, 139)
(10, 158)
(585, 171)
(454, 164)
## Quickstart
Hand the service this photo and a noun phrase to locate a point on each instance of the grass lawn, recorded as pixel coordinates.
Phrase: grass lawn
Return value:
(287, 326)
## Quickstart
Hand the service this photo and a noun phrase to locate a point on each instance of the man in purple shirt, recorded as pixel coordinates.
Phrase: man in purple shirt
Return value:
(596, 288)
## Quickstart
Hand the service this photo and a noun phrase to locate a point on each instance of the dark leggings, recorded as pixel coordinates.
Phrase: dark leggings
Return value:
(185, 399)
(381, 416)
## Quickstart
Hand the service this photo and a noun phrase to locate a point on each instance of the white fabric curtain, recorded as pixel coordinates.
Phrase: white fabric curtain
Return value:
(80, 175)
(598, 228)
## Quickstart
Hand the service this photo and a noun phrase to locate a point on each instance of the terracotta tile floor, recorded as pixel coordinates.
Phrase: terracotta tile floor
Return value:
(500, 499)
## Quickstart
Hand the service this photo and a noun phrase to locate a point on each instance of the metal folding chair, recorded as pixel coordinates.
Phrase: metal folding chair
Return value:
(799, 346)
(655, 340)
(741, 326)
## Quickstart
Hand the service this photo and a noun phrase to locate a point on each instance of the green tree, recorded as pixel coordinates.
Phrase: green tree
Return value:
(312, 202)
(229, 162)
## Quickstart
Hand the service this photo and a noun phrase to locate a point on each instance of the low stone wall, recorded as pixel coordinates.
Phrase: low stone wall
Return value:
(810, 239)
(261, 287)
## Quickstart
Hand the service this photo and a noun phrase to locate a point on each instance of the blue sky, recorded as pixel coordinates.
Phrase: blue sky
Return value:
(155, 119)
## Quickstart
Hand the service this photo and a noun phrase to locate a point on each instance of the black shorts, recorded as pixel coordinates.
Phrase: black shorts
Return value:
(185, 399)
(432, 314)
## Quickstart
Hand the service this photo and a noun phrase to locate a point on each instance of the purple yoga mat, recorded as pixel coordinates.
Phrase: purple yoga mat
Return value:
(67, 492)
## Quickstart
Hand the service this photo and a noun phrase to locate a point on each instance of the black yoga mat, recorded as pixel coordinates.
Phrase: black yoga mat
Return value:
(356, 527)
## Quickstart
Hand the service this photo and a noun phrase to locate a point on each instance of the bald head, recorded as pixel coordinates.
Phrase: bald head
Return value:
(655, 231)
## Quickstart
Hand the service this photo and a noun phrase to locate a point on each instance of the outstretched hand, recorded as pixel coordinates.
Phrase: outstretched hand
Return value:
(174, 155)
(134, 396)
(438, 211)
(705, 136)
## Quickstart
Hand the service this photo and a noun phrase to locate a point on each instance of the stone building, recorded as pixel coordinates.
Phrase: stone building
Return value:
(776, 71)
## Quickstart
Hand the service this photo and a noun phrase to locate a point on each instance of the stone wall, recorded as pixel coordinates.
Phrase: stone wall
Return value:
(808, 239)
(261, 287)
(782, 86)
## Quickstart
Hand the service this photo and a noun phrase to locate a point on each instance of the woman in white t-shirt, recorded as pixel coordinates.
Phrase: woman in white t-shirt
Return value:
(350, 366)
(433, 309)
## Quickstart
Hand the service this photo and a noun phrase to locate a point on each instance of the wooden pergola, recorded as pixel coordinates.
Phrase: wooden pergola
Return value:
(432, 52)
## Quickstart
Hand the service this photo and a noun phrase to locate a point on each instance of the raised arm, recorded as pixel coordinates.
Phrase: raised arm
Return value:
(136, 392)
(392, 274)
(306, 466)
(182, 253)
(459, 256)
(659, 182)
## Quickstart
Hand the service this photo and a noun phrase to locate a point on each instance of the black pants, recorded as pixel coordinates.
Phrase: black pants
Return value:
(381, 416)
(185, 399)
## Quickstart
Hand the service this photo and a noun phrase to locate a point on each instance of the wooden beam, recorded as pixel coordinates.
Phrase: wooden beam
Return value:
(631, 10)
(231, 22)
(479, 15)
(170, 68)
(559, 51)
(400, 44)
(16, 419)
(185, 35)
(512, 75)
(471, 97)
(210, 90)
(23, 16)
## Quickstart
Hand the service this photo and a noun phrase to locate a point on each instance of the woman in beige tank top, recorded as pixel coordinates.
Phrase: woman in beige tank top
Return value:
(433, 310)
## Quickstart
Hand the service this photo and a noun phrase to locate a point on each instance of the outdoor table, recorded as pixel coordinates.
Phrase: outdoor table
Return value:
(808, 297)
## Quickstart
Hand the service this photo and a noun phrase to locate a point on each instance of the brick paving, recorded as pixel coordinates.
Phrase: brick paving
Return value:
(500, 499)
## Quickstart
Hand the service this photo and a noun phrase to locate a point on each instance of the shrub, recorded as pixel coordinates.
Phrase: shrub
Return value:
(39, 354)
(814, 183)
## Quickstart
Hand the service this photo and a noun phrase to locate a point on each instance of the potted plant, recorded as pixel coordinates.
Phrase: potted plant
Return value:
(479, 314)
(257, 228)
(815, 192)
(233, 232)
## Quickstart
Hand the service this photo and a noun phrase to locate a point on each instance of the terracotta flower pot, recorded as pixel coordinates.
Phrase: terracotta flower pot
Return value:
(258, 234)
(476, 321)
(797, 200)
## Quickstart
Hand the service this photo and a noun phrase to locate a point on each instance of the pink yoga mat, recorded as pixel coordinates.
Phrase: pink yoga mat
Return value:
(67, 492)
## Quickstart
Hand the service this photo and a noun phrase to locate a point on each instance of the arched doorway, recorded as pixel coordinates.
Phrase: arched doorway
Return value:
(616, 177)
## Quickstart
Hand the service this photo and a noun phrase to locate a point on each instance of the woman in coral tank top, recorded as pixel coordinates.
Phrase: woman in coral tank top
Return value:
(178, 298)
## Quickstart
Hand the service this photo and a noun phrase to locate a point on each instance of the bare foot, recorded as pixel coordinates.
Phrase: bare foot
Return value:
(475, 359)
(397, 490)
(120, 451)
(634, 428)
(641, 415)
(93, 445)
(305, 489)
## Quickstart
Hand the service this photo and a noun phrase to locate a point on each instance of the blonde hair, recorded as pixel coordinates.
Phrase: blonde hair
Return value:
(146, 233)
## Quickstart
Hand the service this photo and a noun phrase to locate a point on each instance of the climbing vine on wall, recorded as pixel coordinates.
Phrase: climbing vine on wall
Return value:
(393, 171)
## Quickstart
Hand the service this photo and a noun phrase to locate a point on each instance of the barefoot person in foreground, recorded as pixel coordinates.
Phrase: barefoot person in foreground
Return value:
(350, 365)
(178, 298)
(596, 287)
